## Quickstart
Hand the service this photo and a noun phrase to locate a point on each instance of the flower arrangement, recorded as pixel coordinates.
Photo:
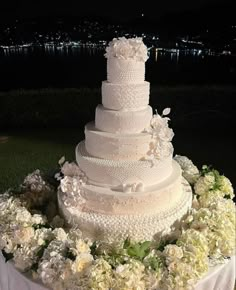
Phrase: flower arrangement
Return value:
(34, 237)
(131, 48)
(162, 135)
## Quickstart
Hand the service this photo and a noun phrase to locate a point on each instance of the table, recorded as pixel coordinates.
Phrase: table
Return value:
(220, 277)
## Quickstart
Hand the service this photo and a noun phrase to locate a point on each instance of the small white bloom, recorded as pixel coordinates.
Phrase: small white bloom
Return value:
(23, 235)
(82, 262)
(60, 234)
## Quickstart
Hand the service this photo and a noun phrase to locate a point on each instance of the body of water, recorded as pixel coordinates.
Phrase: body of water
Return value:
(42, 67)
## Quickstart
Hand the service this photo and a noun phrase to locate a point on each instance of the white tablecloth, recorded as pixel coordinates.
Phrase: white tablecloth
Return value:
(221, 277)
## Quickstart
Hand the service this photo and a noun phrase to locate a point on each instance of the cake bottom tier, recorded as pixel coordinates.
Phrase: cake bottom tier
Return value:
(139, 227)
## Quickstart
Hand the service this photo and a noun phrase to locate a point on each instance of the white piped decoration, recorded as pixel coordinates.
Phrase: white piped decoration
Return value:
(133, 187)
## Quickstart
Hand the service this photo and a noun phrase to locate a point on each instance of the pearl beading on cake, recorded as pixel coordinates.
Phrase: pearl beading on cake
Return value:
(138, 227)
(105, 172)
(125, 71)
(115, 201)
(125, 96)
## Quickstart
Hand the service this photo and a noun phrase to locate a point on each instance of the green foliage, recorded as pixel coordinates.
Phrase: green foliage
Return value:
(137, 250)
(154, 262)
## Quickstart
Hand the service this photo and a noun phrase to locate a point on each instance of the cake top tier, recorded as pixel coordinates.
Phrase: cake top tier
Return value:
(127, 48)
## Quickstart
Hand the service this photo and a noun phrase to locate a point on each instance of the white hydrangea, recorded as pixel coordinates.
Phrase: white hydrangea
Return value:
(34, 182)
(23, 216)
(190, 171)
(127, 48)
(23, 235)
(51, 270)
(130, 276)
(41, 235)
(184, 272)
(24, 257)
(226, 186)
(60, 234)
(100, 276)
(204, 183)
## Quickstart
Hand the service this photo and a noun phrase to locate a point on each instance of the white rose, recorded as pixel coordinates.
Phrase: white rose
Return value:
(172, 253)
(166, 134)
(82, 247)
(23, 235)
(82, 262)
(60, 234)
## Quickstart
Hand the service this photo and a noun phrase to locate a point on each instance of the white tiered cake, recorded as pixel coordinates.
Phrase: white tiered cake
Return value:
(127, 183)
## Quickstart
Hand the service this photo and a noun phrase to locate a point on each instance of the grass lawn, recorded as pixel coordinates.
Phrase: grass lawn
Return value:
(21, 153)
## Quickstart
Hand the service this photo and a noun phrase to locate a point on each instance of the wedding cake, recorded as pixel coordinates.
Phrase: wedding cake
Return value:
(125, 183)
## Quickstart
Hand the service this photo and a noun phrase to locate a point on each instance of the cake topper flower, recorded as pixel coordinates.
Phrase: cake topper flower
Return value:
(127, 48)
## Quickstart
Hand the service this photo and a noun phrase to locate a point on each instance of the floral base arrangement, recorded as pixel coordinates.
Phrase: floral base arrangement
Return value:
(35, 238)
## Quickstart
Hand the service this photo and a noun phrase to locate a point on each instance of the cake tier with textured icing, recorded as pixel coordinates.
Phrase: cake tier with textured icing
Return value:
(150, 199)
(125, 96)
(124, 122)
(138, 226)
(116, 146)
(109, 173)
(125, 71)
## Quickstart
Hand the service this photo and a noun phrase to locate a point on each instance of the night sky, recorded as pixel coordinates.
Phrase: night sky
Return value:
(119, 10)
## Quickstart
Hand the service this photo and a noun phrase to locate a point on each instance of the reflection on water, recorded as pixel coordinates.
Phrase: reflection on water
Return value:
(80, 65)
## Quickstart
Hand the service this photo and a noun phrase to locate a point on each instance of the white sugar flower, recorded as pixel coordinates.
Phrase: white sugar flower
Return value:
(72, 191)
(131, 48)
(72, 169)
